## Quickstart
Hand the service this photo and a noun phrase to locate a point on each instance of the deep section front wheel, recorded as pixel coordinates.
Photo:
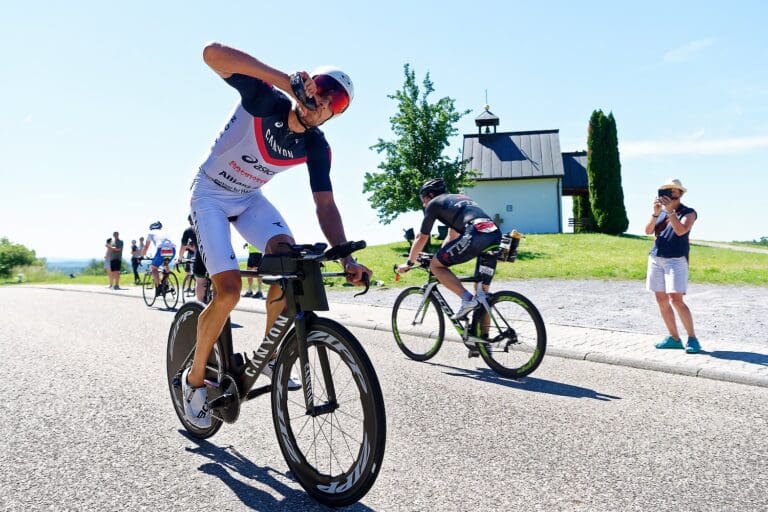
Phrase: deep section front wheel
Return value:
(515, 333)
(335, 453)
(148, 290)
(417, 324)
(171, 291)
(182, 340)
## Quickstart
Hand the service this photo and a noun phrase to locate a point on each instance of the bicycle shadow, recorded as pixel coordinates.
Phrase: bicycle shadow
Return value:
(227, 460)
(732, 355)
(533, 384)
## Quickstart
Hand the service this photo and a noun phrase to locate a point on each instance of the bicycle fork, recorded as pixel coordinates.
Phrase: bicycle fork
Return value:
(306, 372)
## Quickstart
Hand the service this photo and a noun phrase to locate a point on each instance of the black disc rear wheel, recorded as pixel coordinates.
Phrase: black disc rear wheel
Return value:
(182, 340)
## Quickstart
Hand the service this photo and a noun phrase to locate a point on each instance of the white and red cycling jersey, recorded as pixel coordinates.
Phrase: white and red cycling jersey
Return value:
(254, 146)
(256, 143)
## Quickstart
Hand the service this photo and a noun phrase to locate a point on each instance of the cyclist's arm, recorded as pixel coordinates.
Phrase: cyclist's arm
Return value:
(227, 61)
(418, 245)
(330, 220)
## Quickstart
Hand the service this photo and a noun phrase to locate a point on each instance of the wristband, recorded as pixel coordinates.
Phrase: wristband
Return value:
(652, 215)
(409, 263)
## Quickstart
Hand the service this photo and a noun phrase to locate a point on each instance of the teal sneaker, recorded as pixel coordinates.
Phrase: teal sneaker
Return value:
(693, 346)
(670, 342)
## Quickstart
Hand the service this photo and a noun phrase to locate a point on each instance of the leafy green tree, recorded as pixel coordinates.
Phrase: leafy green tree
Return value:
(13, 255)
(604, 174)
(422, 130)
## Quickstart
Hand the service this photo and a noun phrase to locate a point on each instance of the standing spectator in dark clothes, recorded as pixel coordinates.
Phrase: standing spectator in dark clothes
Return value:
(116, 260)
(135, 261)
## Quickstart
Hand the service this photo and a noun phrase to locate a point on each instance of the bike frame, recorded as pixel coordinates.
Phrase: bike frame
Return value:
(292, 317)
(431, 290)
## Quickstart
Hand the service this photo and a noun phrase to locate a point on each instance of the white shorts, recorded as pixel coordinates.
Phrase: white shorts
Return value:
(669, 275)
(258, 221)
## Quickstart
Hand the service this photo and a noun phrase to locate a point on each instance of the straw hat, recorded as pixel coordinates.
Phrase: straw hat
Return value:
(674, 183)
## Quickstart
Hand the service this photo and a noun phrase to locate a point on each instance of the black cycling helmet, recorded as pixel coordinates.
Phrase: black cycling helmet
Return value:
(434, 186)
(156, 225)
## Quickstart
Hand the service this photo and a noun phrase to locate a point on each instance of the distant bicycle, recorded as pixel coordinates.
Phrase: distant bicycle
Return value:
(332, 435)
(169, 286)
(189, 285)
(507, 330)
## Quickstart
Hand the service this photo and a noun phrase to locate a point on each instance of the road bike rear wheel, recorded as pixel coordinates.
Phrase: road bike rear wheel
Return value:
(336, 455)
(148, 290)
(188, 288)
(517, 339)
(418, 324)
(182, 340)
(171, 291)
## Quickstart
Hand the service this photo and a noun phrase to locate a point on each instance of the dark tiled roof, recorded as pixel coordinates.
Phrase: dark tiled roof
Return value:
(575, 166)
(514, 155)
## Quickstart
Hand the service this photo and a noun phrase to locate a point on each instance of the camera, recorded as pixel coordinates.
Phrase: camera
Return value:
(665, 192)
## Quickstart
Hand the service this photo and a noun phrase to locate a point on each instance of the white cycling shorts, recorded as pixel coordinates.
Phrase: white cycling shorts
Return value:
(668, 275)
(257, 221)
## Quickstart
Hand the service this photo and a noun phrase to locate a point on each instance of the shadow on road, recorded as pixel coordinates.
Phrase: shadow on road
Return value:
(747, 357)
(227, 460)
(527, 383)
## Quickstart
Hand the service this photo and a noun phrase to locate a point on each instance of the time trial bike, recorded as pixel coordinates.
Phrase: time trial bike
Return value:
(507, 330)
(332, 434)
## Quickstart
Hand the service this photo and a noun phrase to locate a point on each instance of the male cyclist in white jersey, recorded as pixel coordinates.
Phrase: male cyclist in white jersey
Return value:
(269, 131)
(165, 252)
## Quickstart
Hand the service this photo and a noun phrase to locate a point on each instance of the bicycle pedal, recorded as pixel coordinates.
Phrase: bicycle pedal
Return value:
(473, 353)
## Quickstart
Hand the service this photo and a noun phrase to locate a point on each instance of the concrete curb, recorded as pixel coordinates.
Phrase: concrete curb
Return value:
(691, 369)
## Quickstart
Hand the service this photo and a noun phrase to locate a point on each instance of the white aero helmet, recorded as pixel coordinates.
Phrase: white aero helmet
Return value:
(335, 84)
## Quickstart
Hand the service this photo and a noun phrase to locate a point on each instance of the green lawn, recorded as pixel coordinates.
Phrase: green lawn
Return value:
(563, 256)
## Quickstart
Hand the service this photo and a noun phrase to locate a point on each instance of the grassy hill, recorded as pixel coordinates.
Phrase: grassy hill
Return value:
(590, 256)
(561, 256)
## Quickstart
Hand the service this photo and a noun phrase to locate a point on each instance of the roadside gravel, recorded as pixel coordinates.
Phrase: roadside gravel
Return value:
(729, 313)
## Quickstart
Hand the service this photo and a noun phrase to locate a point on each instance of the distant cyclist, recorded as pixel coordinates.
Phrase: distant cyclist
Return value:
(165, 252)
(471, 231)
(270, 131)
(189, 244)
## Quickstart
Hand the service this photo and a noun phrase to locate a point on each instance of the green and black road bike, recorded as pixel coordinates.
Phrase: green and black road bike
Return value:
(507, 330)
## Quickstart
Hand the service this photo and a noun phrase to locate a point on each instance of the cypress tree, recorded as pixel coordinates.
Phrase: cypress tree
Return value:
(606, 196)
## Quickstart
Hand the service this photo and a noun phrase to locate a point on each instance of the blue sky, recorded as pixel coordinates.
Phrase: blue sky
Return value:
(107, 109)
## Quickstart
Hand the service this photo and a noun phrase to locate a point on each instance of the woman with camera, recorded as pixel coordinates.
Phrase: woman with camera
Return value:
(667, 276)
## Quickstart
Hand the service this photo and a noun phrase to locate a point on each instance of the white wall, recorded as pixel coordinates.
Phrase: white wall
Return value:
(530, 205)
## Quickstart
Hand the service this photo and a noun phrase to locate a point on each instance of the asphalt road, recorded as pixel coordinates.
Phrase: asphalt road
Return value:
(88, 425)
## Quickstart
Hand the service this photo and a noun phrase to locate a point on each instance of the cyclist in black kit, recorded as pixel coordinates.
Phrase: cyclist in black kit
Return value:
(471, 231)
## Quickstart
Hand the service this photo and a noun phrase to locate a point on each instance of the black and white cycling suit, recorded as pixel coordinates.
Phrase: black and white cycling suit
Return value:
(253, 147)
(461, 213)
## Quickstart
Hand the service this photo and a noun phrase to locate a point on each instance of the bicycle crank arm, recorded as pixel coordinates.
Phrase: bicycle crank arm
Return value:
(262, 390)
(224, 400)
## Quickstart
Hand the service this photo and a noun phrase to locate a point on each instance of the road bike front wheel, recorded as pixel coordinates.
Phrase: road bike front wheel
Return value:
(148, 289)
(417, 324)
(188, 288)
(336, 454)
(182, 340)
(516, 337)
(171, 291)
